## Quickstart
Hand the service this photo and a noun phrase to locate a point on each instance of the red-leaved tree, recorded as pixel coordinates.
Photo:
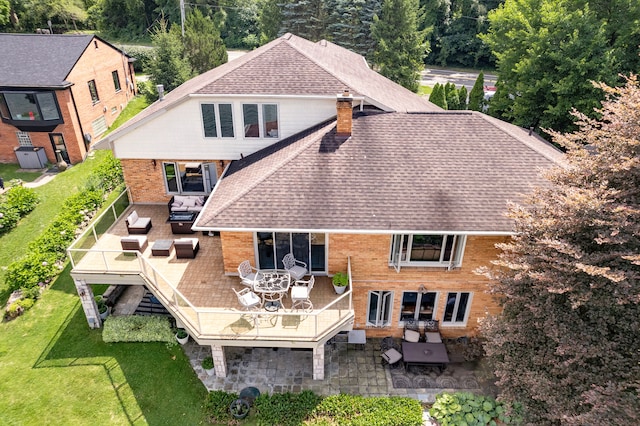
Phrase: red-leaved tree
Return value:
(567, 345)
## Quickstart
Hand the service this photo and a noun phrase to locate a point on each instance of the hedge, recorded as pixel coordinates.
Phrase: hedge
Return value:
(138, 328)
(15, 203)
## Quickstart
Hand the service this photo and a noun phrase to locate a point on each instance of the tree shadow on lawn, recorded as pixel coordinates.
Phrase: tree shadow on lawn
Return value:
(158, 378)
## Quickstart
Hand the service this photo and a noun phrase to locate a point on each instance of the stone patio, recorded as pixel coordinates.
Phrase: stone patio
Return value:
(348, 369)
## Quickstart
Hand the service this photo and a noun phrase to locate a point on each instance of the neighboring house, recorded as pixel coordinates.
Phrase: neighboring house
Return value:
(57, 94)
(302, 148)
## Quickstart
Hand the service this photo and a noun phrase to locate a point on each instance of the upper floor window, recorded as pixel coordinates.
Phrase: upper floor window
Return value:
(217, 120)
(30, 109)
(260, 120)
(94, 91)
(116, 80)
(427, 250)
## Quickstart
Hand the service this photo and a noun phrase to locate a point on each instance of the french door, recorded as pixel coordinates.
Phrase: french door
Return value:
(309, 248)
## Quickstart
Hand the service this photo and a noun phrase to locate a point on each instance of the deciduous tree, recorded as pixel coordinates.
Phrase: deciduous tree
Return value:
(566, 345)
(169, 66)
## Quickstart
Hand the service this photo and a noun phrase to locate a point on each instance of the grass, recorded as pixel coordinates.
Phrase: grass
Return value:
(11, 171)
(136, 105)
(425, 90)
(54, 369)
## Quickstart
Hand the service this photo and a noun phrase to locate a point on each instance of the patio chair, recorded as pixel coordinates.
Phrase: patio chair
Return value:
(248, 274)
(411, 331)
(300, 295)
(432, 331)
(390, 352)
(137, 224)
(247, 298)
(134, 242)
(186, 248)
(296, 268)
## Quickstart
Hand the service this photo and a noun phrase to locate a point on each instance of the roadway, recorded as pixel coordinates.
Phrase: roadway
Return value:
(431, 76)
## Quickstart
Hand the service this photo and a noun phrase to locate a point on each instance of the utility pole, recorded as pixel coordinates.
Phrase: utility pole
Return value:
(182, 16)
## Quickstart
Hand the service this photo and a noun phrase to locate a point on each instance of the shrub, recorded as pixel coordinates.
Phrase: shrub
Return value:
(470, 409)
(207, 363)
(107, 176)
(286, 408)
(18, 307)
(217, 406)
(24, 200)
(370, 411)
(33, 269)
(143, 56)
(137, 328)
(9, 217)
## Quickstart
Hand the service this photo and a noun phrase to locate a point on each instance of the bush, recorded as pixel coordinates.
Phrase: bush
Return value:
(9, 218)
(286, 408)
(368, 411)
(207, 363)
(470, 409)
(24, 200)
(138, 328)
(107, 176)
(35, 268)
(18, 307)
(143, 56)
(217, 406)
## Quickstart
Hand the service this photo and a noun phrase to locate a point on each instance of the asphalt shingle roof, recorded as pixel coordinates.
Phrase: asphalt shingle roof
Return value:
(449, 171)
(39, 60)
(291, 65)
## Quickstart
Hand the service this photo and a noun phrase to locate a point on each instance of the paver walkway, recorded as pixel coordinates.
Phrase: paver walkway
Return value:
(347, 369)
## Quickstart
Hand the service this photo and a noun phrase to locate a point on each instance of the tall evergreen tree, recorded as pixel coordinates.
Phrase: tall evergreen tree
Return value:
(365, 44)
(269, 20)
(203, 46)
(476, 96)
(344, 22)
(169, 66)
(400, 46)
(305, 18)
(437, 96)
(451, 94)
(462, 97)
(566, 345)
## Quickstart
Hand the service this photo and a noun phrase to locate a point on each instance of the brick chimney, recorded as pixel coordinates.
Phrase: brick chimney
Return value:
(344, 107)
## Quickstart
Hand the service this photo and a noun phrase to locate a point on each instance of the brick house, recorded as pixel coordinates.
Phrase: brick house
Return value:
(301, 148)
(58, 93)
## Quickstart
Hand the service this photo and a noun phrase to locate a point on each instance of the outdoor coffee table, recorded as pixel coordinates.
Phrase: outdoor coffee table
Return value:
(426, 354)
(162, 248)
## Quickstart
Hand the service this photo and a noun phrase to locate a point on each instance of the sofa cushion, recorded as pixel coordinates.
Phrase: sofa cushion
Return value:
(132, 218)
(411, 336)
(176, 204)
(179, 198)
(189, 202)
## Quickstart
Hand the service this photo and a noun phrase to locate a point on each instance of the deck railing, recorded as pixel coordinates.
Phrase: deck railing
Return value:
(206, 323)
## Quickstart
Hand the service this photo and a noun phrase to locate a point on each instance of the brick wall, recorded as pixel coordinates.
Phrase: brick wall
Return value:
(145, 179)
(94, 64)
(371, 272)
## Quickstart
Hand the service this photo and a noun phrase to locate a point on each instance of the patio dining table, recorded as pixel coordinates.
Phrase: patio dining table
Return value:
(273, 285)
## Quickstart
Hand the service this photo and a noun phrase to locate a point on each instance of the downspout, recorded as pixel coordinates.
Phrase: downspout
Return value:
(75, 108)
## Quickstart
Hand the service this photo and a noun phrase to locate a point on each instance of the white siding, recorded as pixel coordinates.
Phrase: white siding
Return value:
(178, 133)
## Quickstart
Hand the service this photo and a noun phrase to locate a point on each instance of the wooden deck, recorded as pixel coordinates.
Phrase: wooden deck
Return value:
(204, 299)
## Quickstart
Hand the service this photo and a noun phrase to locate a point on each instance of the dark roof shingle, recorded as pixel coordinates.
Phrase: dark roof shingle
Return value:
(38, 60)
(398, 172)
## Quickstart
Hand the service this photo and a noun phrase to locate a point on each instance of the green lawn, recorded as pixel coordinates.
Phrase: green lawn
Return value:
(425, 90)
(10, 171)
(55, 370)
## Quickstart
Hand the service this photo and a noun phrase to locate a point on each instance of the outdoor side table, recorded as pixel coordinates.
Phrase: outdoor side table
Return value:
(162, 248)
(357, 337)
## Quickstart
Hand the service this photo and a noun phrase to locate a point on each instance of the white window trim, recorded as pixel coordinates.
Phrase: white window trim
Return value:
(454, 262)
(455, 309)
(381, 322)
(216, 111)
(261, 122)
(207, 184)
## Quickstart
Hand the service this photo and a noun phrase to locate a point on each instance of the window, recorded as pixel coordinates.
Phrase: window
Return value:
(309, 248)
(457, 309)
(260, 122)
(379, 308)
(24, 139)
(418, 306)
(189, 178)
(427, 250)
(217, 119)
(38, 107)
(93, 91)
(116, 80)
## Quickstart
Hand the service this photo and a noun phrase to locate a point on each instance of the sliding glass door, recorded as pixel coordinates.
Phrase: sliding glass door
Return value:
(306, 247)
